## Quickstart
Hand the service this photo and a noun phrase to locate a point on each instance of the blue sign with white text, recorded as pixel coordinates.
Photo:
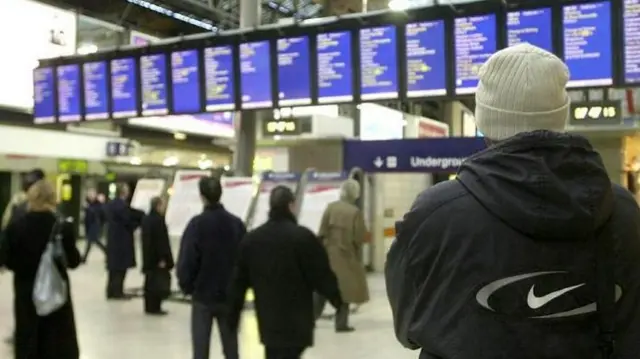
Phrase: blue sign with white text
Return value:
(411, 155)
(281, 176)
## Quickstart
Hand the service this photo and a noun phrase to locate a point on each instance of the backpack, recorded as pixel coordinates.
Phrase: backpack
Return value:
(50, 290)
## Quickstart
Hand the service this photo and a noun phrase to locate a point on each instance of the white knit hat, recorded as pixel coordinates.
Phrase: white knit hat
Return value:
(521, 89)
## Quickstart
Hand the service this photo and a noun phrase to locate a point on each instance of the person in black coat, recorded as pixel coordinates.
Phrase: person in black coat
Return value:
(157, 259)
(92, 223)
(208, 251)
(285, 264)
(122, 221)
(36, 337)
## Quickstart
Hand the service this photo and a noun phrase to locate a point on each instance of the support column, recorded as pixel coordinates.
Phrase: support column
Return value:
(250, 16)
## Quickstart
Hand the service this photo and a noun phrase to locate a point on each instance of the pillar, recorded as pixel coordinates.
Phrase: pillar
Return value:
(250, 16)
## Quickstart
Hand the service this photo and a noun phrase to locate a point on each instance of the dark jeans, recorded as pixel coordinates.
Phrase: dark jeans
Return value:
(93, 237)
(202, 317)
(283, 353)
(115, 284)
(342, 314)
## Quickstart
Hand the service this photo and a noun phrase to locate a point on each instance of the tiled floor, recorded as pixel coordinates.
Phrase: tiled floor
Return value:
(110, 330)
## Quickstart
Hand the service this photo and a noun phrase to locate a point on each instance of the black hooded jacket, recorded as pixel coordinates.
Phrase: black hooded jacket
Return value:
(500, 263)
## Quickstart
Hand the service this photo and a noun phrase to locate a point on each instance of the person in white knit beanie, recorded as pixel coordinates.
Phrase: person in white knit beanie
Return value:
(522, 89)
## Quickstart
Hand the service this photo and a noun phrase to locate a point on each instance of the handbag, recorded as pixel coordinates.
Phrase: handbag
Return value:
(159, 283)
(50, 290)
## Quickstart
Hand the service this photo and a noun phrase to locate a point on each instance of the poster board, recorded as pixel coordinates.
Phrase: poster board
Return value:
(269, 181)
(237, 195)
(146, 189)
(185, 201)
(322, 188)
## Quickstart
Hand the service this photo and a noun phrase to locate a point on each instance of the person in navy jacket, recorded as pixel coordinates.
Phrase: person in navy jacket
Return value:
(92, 223)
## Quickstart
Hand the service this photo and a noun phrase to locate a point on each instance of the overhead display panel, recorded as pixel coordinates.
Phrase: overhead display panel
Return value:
(218, 79)
(531, 26)
(69, 103)
(185, 78)
(96, 88)
(475, 41)
(588, 44)
(153, 78)
(44, 84)
(255, 75)
(124, 88)
(294, 72)
(378, 63)
(426, 68)
(335, 74)
(631, 38)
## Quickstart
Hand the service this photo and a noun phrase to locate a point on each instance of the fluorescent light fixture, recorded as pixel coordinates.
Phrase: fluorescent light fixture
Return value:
(86, 49)
(179, 136)
(170, 161)
(205, 164)
(204, 24)
(399, 5)
(136, 161)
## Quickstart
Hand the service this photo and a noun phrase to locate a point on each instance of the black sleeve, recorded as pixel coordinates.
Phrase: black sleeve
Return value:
(315, 266)
(148, 251)
(5, 247)
(239, 285)
(69, 243)
(189, 257)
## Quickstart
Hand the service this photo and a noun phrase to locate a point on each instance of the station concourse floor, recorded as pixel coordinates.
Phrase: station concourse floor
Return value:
(120, 330)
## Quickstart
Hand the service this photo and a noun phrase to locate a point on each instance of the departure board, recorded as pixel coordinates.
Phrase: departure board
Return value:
(426, 60)
(378, 63)
(588, 44)
(335, 76)
(185, 76)
(294, 74)
(218, 81)
(96, 96)
(124, 88)
(153, 78)
(631, 38)
(44, 102)
(69, 105)
(255, 74)
(475, 42)
(531, 26)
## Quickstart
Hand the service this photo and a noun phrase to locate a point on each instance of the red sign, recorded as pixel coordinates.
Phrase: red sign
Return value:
(431, 129)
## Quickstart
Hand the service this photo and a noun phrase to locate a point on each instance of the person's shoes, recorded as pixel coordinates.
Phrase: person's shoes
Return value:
(159, 313)
(345, 330)
(119, 297)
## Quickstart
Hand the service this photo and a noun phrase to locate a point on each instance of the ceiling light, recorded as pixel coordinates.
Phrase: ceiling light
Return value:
(399, 5)
(136, 161)
(170, 161)
(179, 136)
(86, 49)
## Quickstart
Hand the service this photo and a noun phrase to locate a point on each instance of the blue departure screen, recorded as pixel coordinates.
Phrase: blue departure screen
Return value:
(378, 63)
(587, 44)
(185, 75)
(294, 74)
(335, 76)
(124, 90)
(96, 97)
(153, 77)
(475, 42)
(44, 103)
(532, 26)
(426, 61)
(69, 93)
(255, 74)
(631, 41)
(219, 82)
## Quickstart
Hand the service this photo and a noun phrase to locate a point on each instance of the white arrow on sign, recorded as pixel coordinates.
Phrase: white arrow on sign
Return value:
(378, 162)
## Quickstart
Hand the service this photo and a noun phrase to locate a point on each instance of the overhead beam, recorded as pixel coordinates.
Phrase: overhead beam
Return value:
(201, 9)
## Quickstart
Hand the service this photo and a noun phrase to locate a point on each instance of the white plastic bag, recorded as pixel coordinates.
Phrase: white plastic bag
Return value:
(50, 291)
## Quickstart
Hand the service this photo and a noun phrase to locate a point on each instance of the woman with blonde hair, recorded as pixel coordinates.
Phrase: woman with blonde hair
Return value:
(40, 337)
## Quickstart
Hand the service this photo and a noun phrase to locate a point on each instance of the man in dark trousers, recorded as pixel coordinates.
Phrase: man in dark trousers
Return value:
(205, 264)
(157, 259)
(285, 264)
(92, 223)
(122, 221)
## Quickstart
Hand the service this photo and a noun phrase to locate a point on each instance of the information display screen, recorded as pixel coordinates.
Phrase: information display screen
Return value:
(153, 77)
(631, 38)
(185, 75)
(475, 42)
(219, 81)
(294, 74)
(96, 97)
(532, 26)
(378, 63)
(255, 74)
(426, 60)
(69, 104)
(124, 89)
(587, 44)
(335, 76)
(44, 102)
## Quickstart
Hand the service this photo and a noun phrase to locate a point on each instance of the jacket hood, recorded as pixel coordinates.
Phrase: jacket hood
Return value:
(350, 190)
(545, 185)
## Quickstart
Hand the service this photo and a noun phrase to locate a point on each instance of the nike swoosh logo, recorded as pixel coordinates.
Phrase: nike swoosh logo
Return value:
(538, 302)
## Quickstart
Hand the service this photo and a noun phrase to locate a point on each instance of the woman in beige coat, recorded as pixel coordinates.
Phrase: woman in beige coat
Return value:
(342, 232)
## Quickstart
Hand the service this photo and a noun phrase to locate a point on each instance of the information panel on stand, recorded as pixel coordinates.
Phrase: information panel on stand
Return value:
(429, 53)
(269, 181)
(237, 195)
(321, 189)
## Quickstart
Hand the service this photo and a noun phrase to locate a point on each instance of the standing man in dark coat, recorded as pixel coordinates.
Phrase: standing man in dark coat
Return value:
(122, 222)
(285, 264)
(157, 259)
(92, 223)
(205, 265)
